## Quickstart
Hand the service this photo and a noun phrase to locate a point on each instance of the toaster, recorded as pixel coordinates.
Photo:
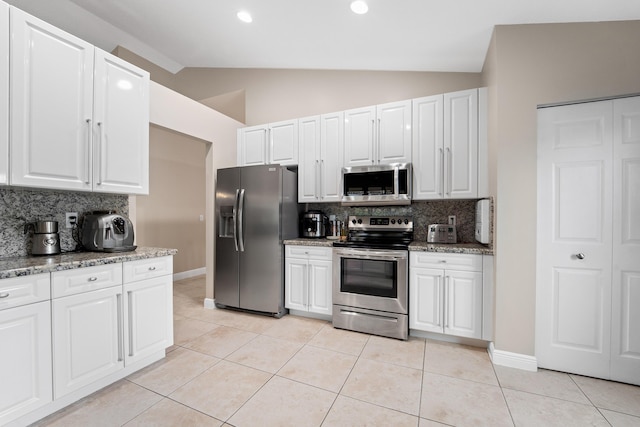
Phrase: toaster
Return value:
(441, 233)
(107, 232)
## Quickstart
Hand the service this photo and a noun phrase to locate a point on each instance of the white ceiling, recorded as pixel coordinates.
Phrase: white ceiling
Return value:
(406, 35)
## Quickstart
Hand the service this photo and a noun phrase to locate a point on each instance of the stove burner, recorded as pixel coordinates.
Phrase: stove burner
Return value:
(378, 233)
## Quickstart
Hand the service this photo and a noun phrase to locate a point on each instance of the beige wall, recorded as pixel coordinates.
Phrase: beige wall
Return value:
(169, 217)
(528, 65)
(274, 95)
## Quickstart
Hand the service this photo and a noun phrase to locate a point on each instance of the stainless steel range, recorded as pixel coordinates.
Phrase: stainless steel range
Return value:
(370, 276)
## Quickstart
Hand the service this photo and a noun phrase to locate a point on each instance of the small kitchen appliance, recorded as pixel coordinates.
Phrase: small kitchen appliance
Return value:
(442, 233)
(45, 239)
(106, 231)
(377, 185)
(371, 276)
(314, 224)
(483, 221)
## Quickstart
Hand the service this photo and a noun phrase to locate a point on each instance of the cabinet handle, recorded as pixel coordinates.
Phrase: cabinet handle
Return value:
(321, 175)
(439, 301)
(92, 279)
(88, 169)
(373, 145)
(130, 309)
(99, 154)
(378, 142)
(442, 165)
(580, 255)
(268, 145)
(4, 295)
(152, 268)
(317, 175)
(447, 288)
(120, 337)
(306, 288)
(450, 174)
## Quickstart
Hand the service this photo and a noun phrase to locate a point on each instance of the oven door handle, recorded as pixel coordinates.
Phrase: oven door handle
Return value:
(375, 255)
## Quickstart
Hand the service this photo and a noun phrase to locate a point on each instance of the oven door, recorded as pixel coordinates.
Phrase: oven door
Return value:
(373, 279)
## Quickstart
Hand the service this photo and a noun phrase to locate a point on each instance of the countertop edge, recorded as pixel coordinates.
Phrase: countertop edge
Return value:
(30, 265)
(452, 248)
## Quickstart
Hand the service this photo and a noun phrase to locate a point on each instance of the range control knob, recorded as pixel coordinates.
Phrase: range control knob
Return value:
(359, 221)
(406, 221)
(353, 221)
(393, 221)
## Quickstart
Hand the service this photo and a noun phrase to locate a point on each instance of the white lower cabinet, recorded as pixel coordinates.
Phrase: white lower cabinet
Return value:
(25, 357)
(446, 293)
(308, 272)
(106, 323)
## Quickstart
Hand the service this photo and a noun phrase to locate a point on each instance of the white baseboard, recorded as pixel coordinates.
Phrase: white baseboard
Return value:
(189, 274)
(513, 360)
(209, 303)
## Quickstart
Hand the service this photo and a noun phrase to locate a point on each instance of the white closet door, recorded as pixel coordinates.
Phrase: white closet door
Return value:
(573, 305)
(625, 334)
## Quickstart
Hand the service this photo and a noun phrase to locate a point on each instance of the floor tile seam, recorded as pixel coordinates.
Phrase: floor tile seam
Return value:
(600, 409)
(310, 344)
(307, 384)
(458, 378)
(145, 409)
(589, 404)
(364, 357)
(580, 388)
(359, 399)
(192, 408)
(250, 397)
(504, 398)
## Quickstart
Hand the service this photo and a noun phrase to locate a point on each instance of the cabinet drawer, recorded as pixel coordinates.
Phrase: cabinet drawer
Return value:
(445, 261)
(71, 282)
(309, 252)
(147, 268)
(18, 291)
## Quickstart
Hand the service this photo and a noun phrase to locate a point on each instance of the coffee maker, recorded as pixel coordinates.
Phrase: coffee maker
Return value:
(45, 239)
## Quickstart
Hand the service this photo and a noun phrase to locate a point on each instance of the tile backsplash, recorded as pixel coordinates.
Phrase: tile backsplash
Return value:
(20, 205)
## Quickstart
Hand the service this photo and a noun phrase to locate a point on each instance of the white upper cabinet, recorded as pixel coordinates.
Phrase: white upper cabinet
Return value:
(274, 143)
(320, 158)
(428, 147)
(51, 105)
(4, 94)
(378, 134)
(121, 118)
(68, 131)
(450, 146)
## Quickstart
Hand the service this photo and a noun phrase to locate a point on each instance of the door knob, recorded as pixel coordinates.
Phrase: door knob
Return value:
(580, 255)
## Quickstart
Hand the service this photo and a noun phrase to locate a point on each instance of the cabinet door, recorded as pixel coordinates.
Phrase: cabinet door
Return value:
(283, 143)
(463, 304)
(359, 136)
(394, 132)
(252, 145)
(426, 302)
(88, 341)
(309, 159)
(148, 324)
(296, 284)
(331, 151)
(461, 144)
(121, 125)
(51, 105)
(4, 94)
(428, 148)
(26, 362)
(320, 287)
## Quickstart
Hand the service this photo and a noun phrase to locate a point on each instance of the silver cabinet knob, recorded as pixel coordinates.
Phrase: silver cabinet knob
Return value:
(580, 255)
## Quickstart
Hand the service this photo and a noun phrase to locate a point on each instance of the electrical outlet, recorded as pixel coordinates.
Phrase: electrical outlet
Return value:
(71, 219)
(452, 220)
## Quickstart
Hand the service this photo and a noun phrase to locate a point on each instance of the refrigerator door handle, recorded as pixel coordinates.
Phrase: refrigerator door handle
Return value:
(235, 219)
(241, 221)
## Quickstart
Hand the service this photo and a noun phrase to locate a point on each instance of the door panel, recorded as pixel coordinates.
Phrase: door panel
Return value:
(331, 136)
(426, 302)
(573, 306)
(625, 338)
(428, 147)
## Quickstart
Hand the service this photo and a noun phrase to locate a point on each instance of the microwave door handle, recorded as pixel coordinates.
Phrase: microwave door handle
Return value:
(396, 181)
(241, 221)
(235, 219)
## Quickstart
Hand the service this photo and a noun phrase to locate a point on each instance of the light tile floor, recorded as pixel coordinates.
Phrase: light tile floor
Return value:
(235, 369)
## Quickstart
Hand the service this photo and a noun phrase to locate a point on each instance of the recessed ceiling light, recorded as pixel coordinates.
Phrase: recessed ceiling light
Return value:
(359, 6)
(244, 16)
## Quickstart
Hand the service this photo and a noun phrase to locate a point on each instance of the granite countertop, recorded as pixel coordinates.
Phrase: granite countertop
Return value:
(26, 265)
(309, 242)
(452, 248)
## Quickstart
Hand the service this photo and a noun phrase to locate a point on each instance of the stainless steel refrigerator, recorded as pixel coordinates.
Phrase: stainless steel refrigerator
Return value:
(256, 209)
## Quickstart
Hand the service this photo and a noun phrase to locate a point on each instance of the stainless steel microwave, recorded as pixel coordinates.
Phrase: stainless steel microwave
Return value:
(376, 185)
